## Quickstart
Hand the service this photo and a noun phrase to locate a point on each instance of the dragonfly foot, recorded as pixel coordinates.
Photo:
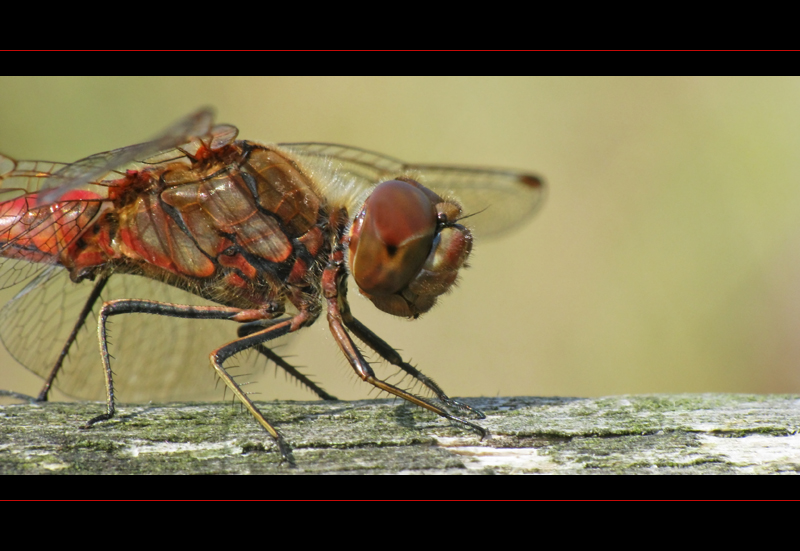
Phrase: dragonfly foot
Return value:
(18, 396)
(95, 420)
(465, 408)
(286, 454)
(477, 428)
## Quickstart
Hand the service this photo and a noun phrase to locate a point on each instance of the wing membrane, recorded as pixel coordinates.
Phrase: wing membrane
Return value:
(94, 167)
(32, 237)
(495, 200)
(154, 358)
(19, 177)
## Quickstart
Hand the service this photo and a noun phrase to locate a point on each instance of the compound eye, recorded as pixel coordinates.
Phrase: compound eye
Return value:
(392, 237)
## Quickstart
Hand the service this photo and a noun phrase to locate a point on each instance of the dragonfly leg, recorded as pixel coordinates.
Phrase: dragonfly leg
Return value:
(254, 327)
(87, 309)
(272, 331)
(18, 396)
(366, 373)
(390, 355)
(334, 288)
(131, 306)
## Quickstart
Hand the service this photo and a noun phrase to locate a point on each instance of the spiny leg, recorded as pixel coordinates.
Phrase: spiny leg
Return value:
(366, 373)
(251, 328)
(18, 396)
(273, 331)
(334, 289)
(87, 309)
(390, 355)
(336, 302)
(133, 306)
(130, 306)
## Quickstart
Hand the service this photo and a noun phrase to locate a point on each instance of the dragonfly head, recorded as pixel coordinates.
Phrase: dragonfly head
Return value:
(405, 247)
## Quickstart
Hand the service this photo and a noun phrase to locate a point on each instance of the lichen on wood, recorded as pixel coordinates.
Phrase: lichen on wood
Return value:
(682, 433)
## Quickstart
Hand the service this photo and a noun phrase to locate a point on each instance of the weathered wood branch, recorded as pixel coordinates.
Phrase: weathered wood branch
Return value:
(685, 433)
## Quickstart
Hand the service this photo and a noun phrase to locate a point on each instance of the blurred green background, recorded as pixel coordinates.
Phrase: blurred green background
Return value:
(665, 259)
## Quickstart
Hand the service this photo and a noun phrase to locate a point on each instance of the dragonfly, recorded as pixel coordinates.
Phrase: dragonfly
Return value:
(197, 225)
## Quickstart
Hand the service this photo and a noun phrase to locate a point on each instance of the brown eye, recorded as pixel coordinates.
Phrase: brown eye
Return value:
(392, 237)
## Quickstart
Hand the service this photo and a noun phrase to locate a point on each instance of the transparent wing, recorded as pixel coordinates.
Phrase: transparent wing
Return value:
(34, 325)
(31, 236)
(495, 200)
(20, 177)
(93, 168)
(154, 357)
(29, 179)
